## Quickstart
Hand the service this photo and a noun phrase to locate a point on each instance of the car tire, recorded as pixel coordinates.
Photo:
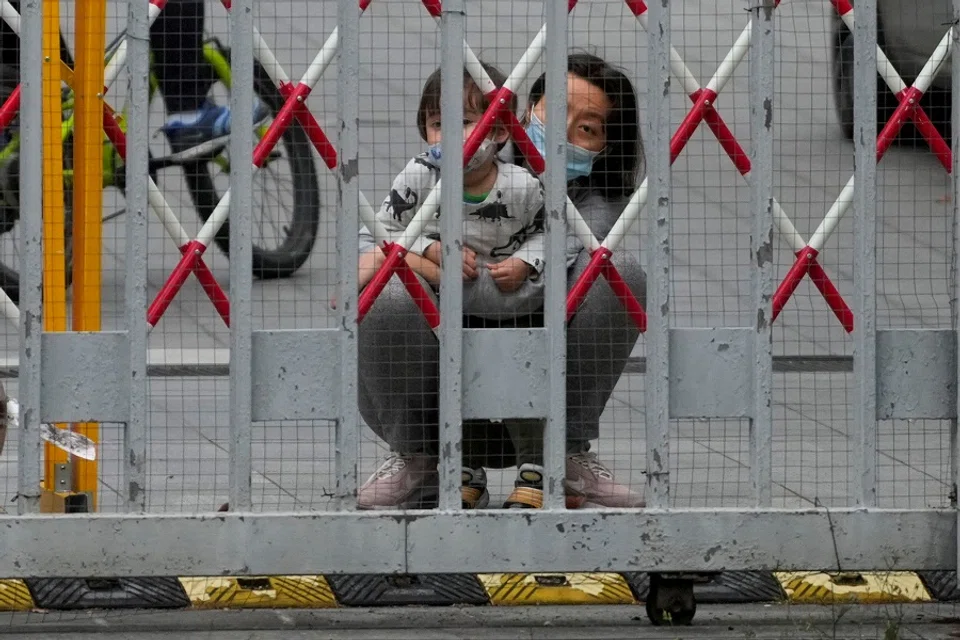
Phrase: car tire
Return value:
(936, 102)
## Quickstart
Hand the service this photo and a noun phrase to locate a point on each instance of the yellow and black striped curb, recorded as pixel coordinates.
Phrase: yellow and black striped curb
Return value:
(860, 588)
(272, 592)
(557, 588)
(490, 589)
(15, 596)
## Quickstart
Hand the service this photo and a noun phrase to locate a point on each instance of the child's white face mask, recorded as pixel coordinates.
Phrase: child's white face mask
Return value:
(485, 152)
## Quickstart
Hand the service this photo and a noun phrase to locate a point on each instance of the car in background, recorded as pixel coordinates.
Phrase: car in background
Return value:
(908, 31)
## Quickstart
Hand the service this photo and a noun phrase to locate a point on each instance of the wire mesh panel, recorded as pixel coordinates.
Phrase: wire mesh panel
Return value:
(671, 287)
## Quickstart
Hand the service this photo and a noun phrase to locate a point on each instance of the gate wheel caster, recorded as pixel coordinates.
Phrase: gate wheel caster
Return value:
(670, 601)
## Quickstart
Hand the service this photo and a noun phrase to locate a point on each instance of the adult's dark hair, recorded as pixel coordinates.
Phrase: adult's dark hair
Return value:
(473, 97)
(616, 171)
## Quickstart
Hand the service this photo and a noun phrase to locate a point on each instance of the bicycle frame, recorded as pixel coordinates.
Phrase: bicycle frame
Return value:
(216, 152)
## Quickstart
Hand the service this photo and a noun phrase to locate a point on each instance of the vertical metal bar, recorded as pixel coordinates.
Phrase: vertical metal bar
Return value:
(135, 295)
(451, 230)
(348, 226)
(91, 28)
(31, 258)
(658, 249)
(955, 264)
(555, 196)
(241, 253)
(761, 201)
(864, 244)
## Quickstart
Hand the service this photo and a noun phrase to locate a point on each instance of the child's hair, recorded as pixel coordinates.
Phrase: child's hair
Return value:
(473, 98)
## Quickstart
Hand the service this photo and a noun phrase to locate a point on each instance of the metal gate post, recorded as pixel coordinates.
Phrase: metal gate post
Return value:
(31, 258)
(241, 256)
(135, 293)
(657, 382)
(865, 257)
(955, 275)
(348, 229)
(451, 230)
(555, 294)
(762, 100)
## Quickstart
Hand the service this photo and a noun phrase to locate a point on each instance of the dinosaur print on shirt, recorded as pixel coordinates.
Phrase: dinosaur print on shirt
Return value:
(493, 212)
(400, 204)
(508, 222)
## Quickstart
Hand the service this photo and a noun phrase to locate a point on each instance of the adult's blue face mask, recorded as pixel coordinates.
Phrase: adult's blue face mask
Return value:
(579, 160)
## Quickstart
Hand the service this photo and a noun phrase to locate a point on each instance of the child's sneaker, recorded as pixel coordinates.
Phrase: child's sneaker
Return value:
(527, 489)
(590, 480)
(473, 488)
(403, 481)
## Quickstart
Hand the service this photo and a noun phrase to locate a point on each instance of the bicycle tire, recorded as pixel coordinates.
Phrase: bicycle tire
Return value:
(301, 232)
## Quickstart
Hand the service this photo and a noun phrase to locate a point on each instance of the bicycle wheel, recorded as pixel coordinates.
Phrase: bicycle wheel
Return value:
(298, 193)
(10, 197)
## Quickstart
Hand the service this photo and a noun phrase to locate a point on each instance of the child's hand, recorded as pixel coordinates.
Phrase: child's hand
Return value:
(370, 262)
(432, 253)
(469, 264)
(509, 274)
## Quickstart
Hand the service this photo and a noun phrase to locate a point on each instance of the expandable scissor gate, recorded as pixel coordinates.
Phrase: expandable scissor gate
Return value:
(117, 137)
(704, 111)
(450, 540)
(294, 108)
(499, 112)
(908, 109)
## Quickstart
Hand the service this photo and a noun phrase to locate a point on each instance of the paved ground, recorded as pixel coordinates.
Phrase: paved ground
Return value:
(753, 622)
(812, 445)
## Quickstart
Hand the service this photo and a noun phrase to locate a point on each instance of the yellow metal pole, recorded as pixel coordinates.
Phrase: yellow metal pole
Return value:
(91, 24)
(54, 265)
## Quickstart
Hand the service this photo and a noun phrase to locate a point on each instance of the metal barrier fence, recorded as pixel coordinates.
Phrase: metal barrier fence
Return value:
(701, 360)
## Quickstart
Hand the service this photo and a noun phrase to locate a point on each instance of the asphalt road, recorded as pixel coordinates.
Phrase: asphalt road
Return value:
(813, 438)
(745, 622)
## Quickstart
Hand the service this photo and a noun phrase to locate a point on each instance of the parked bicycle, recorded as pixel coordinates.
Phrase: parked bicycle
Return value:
(289, 179)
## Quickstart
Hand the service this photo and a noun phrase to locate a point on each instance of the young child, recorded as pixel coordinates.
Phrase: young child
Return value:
(502, 213)
(503, 238)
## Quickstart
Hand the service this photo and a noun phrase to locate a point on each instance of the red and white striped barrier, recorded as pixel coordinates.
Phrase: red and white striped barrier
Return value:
(498, 111)
(294, 107)
(909, 109)
(117, 137)
(704, 110)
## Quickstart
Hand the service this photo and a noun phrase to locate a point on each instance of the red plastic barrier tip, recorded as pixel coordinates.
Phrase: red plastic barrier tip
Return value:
(364, 4)
(843, 7)
(776, 312)
(638, 7)
(433, 7)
